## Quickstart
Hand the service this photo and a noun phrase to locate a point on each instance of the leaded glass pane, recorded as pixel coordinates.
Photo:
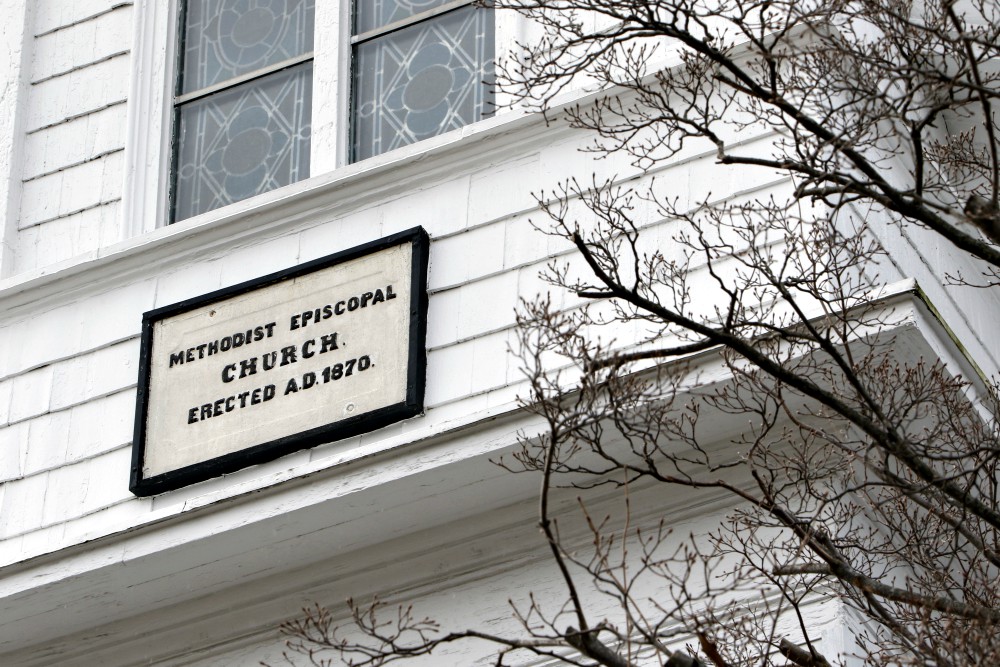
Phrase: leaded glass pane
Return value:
(226, 38)
(371, 14)
(423, 80)
(243, 141)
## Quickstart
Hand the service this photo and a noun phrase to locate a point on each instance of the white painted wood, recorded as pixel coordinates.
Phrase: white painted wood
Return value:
(78, 92)
(30, 394)
(53, 15)
(15, 54)
(147, 142)
(331, 86)
(93, 432)
(72, 190)
(86, 377)
(89, 574)
(379, 181)
(75, 142)
(83, 43)
(13, 450)
(63, 238)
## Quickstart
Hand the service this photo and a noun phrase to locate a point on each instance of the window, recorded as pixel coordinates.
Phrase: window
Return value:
(242, 107)
(420, 68)
(243, 97)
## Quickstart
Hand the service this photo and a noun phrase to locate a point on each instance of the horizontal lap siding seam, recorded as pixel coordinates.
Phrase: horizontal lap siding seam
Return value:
(89, 17)
(78, 163)
(77, 116)
(77, 68)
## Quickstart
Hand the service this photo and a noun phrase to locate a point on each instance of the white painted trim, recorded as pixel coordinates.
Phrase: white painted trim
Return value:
(147, 140)
(331, 86)
(499, 542)
(17, 44)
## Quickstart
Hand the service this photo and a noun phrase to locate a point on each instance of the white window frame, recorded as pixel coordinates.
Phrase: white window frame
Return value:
(149, 119)
(146, 197)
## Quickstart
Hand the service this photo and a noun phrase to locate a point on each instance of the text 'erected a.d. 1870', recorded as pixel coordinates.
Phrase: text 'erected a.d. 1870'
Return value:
(290, 359)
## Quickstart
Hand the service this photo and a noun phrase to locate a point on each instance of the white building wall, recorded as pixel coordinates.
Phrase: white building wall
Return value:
(73, 132)
(93, 571)
(71, 377)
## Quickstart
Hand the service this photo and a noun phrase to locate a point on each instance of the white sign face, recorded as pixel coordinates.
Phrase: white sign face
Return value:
(310, 356)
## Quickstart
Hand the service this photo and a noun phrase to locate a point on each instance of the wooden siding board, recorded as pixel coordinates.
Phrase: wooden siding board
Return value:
(83, 43)
(78, 93)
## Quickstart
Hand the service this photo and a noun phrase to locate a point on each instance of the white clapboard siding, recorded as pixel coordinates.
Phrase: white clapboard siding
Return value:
(209, 569)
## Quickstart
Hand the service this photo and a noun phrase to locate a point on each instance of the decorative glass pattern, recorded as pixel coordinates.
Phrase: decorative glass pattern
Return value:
(236, 138)
(223, 39)
(243, 141)
(423, 80)
(371, 14)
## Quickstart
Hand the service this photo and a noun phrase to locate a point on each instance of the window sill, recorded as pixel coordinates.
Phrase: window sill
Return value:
(330, 194)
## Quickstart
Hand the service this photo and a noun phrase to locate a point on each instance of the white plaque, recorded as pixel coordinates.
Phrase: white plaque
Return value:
(319, 352)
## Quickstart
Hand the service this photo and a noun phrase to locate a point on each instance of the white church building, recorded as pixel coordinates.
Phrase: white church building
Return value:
(259, 270)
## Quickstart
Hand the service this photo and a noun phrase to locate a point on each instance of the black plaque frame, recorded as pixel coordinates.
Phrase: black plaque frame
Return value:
(268, 451)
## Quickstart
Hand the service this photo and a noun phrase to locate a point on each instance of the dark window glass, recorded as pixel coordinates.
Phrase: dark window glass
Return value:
(224, 39)
(243, 141)
(243, 110)
(427, 78)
